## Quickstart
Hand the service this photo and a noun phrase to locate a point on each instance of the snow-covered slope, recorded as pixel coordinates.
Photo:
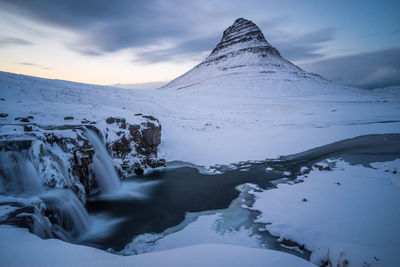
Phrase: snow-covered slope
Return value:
(197, 124)
(19, 248)
(244, 62)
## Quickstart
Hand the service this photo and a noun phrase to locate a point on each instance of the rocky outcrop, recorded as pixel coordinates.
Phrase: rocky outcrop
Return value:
(134, 146)
(26, 214)
(75, 160)
(63, 155)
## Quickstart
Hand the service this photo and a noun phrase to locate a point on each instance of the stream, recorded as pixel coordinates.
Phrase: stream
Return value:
(168, 200)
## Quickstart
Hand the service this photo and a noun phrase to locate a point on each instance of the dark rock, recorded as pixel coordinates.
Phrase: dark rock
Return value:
(27, 128)
(68, 118)
(122, 147)
(30, 117)
(139, 171)
(290, 243)
(24, 119)
(2, 99)
(138, 114)
(304, 199)
(136, 141)
(322, 167)
(3, 115)
(120, 120)
(150, 117)
(110, 120)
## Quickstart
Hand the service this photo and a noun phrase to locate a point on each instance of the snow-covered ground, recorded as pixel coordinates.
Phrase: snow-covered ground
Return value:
(248, 123)
(19, 248)
(348, 216)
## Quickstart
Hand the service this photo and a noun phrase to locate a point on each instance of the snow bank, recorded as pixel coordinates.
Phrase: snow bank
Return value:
(20, 248)
(349, 215)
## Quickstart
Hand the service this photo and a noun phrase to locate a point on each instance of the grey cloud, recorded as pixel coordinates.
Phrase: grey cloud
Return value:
(85, 51)
(305, 46)
(34, 65)
(108, 25)
(13, 41)
(186, 50)
(365, 70)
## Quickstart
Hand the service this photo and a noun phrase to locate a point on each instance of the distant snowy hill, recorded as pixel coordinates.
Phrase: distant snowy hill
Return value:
(243, 61)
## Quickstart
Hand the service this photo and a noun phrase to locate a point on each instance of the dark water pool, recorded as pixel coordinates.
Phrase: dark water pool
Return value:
(185, 189)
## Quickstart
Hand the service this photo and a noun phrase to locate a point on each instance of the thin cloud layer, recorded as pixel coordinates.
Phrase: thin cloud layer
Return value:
(33, 65)
(306, 46)
(6, 41)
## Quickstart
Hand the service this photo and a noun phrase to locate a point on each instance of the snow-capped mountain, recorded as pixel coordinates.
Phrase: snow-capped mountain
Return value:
(244, 58)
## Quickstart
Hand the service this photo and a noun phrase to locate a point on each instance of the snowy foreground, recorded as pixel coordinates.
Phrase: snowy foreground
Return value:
(348, 216)
(29, 250)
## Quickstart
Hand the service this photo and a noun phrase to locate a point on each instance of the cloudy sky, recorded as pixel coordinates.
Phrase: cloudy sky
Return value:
(129, 42)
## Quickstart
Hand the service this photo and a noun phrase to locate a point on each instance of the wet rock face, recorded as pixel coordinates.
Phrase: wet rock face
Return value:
(25, 214)
(81, 154)
(71, 168)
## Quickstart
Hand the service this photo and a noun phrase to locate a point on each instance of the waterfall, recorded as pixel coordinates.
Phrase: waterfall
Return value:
(53, 213)
(18, 176)
(71, 217)
(106, 176)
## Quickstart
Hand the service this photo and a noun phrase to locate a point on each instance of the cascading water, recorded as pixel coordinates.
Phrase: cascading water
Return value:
(18, 175)
(70, 218)
(47, 213)
(36, 189)
(104, 170)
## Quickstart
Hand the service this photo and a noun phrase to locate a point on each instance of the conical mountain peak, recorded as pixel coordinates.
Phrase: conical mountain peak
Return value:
(242, 36)
(243, 54)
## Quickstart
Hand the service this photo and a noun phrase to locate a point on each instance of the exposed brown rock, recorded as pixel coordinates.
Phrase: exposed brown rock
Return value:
(27, 128)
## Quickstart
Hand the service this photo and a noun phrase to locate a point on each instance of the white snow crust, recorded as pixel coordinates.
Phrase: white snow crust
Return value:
(349, 215)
